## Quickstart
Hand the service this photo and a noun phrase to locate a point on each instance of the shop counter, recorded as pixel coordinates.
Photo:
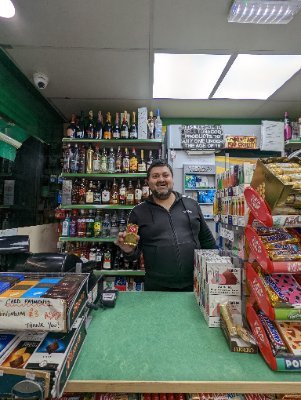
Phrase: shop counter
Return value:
(159, 342)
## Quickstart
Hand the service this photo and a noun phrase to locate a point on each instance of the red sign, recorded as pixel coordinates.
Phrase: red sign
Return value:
(258, 207)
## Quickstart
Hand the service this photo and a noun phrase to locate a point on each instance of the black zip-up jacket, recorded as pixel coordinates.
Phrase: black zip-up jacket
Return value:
(168, 240)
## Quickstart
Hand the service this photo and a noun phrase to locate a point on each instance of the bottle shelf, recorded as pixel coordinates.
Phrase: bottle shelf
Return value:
(106, 176)
(95, 207)
(119, 272)
(139, 143)
(87, 239)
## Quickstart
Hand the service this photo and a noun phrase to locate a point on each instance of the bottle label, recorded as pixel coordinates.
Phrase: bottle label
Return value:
(105, 196)
(138, 194)
(107, 135)
(89, 197)
(130, 197)
(133, 164)
(97, 197)
(126, 164)
(145, 191)
(97, 228)
(96, 165)
(142, 167)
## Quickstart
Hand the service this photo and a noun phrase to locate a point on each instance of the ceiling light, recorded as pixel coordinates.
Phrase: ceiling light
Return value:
(186, 76)
(263, 11)
(7, 9)
(253, 76)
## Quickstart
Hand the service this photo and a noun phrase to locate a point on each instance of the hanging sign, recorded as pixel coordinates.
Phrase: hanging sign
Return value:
(241, 142)
(202, 137)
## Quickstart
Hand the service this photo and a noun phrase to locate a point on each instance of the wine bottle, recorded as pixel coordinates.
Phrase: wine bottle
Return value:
(133, 134)
(116, 128)
(107, 130)
(90, 126)
(133, 161)
(124, 129)
(98, 127)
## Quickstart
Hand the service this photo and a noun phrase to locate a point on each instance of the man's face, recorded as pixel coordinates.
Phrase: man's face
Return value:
(160, 182)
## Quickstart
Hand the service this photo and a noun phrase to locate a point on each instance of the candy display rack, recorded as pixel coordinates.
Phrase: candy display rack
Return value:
(260, 213)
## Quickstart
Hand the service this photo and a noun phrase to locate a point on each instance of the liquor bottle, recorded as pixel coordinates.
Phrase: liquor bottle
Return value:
(151, 126)
(89, 160)
(114, 195)
(82, 159)
(141, 162)
(138, 193)
(90, 194)
(99, 257)
(122, 192)
(287, 127)
(111, 161)
(73, 224)
(105, 194)
(106, 226)
(97, 193)
(97, 227)
(133, 134)
(145, 190)
(107, 129)
(107, 258)
(126, 161)
(74, 162)
(104, 162)
(96, 160)
(67, 158)
(116, 128)
(81, 224)
(90, 126)
(133, 161)
(117, 259)
(124, 129)
(98, 127)
(122, 222)
(66, 226)
(75, 192)
(118, 162)
(114, 225)
(90, 224)
(71, 129)
(150, 159)
(158, 126)
(130, 194)
(82, 192)
(80, 128)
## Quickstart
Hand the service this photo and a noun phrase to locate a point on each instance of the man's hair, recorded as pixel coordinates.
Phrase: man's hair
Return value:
(158, 163)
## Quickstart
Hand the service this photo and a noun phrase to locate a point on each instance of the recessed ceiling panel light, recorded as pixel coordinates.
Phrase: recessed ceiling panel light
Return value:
(257, 76)
(7, 9)
(186, 76)
(263, 11)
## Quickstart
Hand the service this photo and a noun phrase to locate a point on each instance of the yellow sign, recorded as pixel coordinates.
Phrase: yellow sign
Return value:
(240, 142)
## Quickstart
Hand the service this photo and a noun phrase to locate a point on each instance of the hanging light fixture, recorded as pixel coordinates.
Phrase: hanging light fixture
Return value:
(263, 11)
(7, 9)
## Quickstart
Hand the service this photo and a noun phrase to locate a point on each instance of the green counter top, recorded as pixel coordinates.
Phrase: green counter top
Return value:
(159, 342)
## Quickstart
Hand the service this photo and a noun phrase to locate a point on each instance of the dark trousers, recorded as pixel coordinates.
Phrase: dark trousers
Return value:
(157, 288)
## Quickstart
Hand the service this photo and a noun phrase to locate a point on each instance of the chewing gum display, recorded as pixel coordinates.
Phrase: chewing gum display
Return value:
(291, 334)
(274, 337)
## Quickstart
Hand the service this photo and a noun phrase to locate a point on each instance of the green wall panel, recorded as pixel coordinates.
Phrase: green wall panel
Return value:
(21, 103)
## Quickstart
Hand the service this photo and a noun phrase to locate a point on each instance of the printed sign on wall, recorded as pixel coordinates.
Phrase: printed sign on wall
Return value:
(202, 137)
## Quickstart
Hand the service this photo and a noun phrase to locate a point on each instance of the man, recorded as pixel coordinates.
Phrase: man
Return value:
(170, 228)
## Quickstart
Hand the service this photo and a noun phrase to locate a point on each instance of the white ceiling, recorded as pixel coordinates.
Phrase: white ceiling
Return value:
(98, 54)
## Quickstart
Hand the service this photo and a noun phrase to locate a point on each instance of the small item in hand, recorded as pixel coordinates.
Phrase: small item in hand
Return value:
(131, 235)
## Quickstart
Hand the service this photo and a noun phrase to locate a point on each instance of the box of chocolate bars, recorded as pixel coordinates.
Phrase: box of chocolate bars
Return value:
(42, 302)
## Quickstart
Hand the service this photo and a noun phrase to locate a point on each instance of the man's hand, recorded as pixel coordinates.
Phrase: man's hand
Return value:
(125, 247)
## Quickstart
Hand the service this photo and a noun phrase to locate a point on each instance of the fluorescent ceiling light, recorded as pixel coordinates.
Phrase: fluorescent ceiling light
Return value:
(7, 9)
(254, 76)
(263, 11)
(186, 76)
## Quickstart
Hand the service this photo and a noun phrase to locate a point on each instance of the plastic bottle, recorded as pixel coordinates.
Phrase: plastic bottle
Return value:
(287, 127)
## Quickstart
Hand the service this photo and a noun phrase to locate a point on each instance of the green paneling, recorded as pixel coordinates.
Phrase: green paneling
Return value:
(21, 103)
(7, 151)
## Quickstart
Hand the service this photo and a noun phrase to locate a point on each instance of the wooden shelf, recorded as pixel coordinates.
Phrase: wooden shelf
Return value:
(87, 239)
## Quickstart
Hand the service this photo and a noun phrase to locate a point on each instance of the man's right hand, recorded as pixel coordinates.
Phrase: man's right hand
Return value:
(125, 247)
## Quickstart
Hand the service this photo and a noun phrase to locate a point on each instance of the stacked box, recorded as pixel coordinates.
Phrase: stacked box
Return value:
(216, 281)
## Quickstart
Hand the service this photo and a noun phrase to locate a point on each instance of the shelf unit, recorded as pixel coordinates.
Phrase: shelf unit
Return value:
(119, 272)
(260, 211)
(104, 176)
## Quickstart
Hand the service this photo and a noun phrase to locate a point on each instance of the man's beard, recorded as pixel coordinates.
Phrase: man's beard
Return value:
(161, 195)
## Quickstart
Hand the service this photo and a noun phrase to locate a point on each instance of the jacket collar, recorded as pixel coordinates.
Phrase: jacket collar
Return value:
(178, 196)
